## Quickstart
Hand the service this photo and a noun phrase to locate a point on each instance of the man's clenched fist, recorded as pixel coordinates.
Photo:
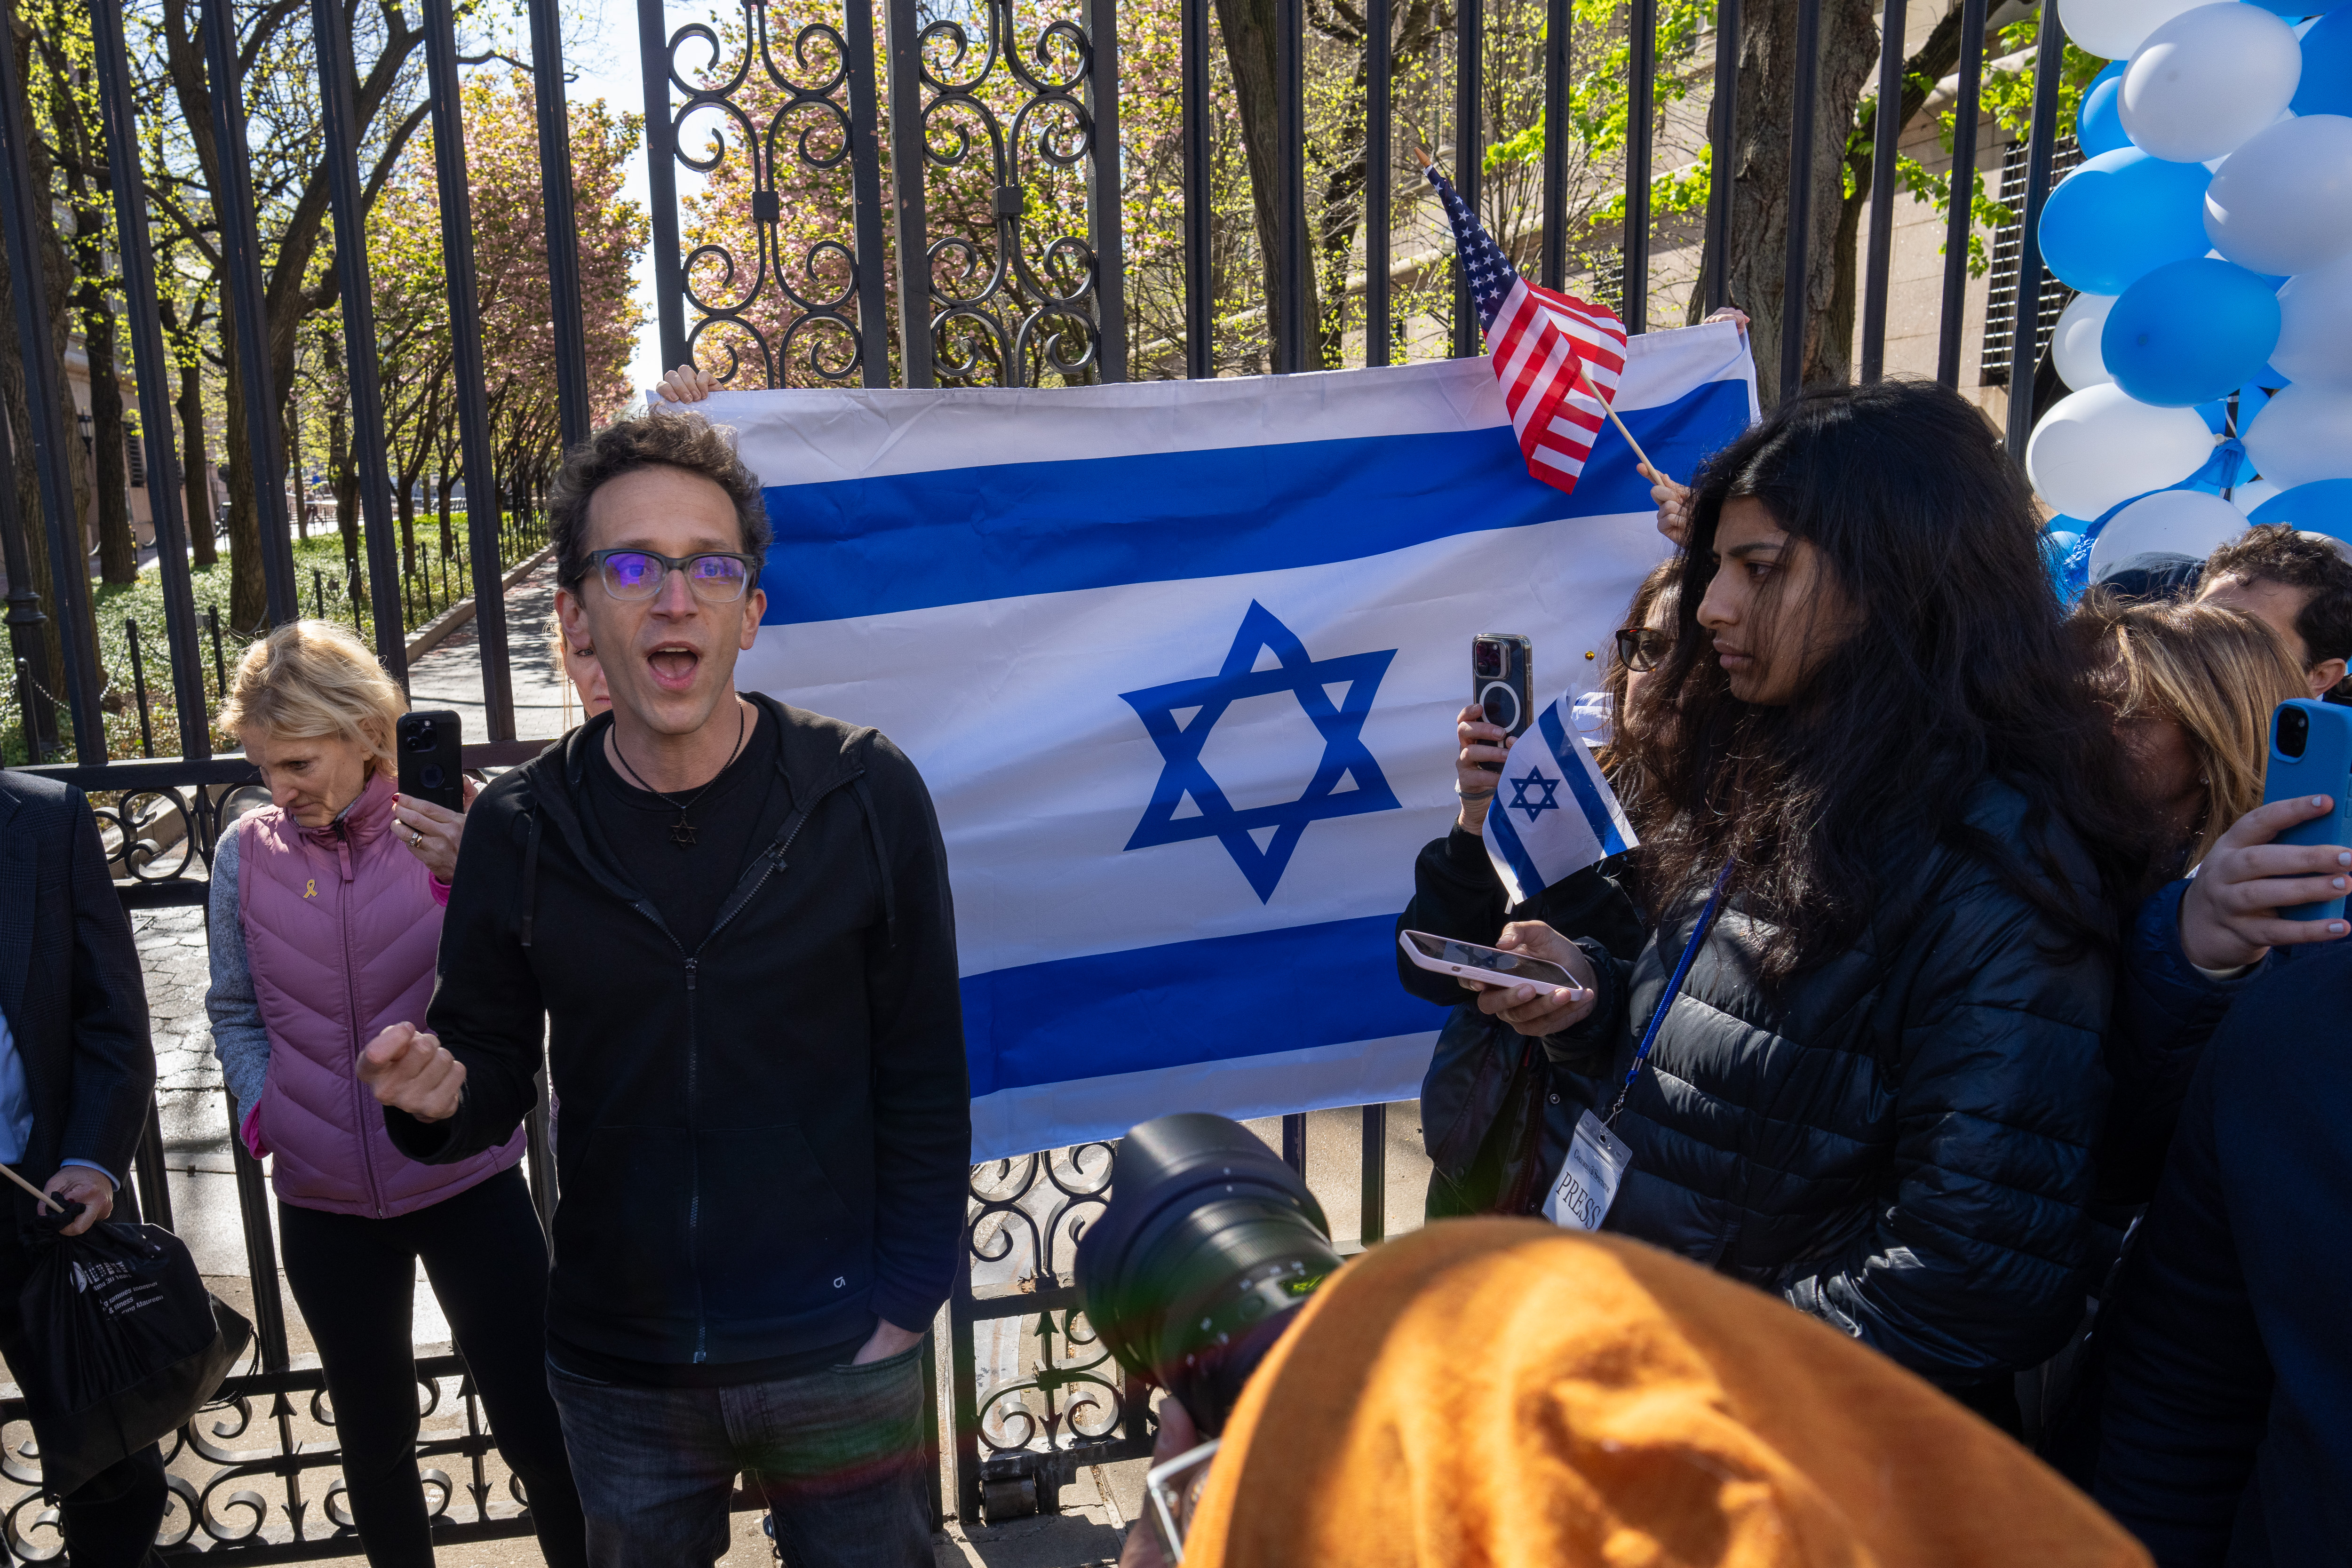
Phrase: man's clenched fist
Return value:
(411, 1071)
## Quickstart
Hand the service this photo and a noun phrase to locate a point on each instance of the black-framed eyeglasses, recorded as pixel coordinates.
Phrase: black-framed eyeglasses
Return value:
(717, 577)
(1639, 648)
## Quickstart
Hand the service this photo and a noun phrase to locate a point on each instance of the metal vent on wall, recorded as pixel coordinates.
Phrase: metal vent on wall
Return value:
(2008, 246)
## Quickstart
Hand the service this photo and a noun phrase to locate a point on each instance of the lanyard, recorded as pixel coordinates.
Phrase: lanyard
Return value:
(1674, 987)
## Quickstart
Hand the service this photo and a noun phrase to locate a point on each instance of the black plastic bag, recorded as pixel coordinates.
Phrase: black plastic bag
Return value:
(126, 1346)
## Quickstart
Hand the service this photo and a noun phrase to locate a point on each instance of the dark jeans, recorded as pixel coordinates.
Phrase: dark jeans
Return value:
(110, 1520)
(355, 1280)
(837, 1454)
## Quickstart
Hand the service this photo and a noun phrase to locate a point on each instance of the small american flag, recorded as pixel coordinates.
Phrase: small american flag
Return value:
(1536, 339)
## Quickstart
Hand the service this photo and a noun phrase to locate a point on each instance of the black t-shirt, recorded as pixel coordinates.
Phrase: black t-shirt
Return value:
(689, 882)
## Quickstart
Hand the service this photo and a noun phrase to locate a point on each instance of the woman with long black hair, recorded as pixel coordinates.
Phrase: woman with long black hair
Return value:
(1890, 846)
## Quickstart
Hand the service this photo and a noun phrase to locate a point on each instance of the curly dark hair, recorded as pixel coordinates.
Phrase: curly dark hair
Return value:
(2279, 552)
(1957, 670)
(663, 440)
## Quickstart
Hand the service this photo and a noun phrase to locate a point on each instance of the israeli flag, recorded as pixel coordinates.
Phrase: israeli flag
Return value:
(1553, 814)
(1181, 662)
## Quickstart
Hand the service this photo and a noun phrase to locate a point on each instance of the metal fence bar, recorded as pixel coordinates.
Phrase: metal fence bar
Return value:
(139, 686)
(1560, 19)
(243, 305)
(1291, 351)
(2024, 343)
(1373, 1223)
(1793, 309)
(67, 565)
(28, 647)
(1469, 46)
(661, 183)
(1103, 212)
(155, 377)
(908, 160)
(465, 356)
(1294, 1141)
(1957, 216)
(1642, 25)
(339, 94)
(1885, 140)
(1200, 346)
(1380, 172)
(1723, 153)
(562, 225)
(865, 192)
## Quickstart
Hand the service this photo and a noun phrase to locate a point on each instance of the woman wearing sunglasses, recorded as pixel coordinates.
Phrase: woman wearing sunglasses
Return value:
(1484, 1146)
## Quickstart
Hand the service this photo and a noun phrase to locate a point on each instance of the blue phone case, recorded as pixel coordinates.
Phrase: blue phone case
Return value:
(2325, 768)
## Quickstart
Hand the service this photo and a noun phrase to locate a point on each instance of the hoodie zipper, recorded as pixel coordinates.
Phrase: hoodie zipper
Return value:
(772, 860)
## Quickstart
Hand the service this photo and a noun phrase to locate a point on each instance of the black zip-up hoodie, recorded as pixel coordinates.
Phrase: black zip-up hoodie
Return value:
(763, 1143)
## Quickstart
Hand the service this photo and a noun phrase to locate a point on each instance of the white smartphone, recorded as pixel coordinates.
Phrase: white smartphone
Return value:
(1487, 965)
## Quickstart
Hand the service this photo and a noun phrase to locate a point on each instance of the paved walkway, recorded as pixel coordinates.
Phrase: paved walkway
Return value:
(450, 676)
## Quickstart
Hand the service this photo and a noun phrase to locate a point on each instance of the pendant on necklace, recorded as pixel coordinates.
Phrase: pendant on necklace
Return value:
(681, 833)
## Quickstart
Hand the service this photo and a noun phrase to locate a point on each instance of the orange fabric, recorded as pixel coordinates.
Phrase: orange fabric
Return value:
(1501, 1392)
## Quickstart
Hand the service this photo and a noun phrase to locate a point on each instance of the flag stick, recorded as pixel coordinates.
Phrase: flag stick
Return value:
(38, 1196)
(1642, 457)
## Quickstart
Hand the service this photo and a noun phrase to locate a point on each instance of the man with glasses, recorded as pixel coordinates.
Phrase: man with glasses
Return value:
(728, 920)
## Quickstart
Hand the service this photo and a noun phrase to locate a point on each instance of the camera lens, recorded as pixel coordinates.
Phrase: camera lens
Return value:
(1208, 1246)
(421, 737)
(2294, 731)
(1487, 659)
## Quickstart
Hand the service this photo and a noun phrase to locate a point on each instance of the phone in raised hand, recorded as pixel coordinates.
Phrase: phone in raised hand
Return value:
(2311, 753)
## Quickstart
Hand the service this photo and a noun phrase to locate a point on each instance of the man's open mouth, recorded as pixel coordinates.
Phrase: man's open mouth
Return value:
(674, 665)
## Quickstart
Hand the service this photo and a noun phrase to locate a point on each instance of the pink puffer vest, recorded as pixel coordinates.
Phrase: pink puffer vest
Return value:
(340, 929)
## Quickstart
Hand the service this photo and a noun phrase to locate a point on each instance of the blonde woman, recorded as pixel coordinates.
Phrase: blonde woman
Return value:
(2190, 688)
(325, 919)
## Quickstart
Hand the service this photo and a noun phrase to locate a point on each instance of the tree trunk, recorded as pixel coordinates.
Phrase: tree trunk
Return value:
(1762, 184)
(196, 468)
(249, 589)
(447, 483)
(118, 547)
(345, 479)
(1249, 29)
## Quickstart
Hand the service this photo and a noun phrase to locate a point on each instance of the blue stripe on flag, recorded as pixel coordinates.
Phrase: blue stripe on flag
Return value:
(1507, 840)
(955, 536)
(1595, 806)
(1187, 1002)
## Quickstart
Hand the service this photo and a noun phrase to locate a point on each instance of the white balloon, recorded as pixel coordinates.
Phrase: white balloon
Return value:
(2316, 325)
(2112, 29)
(2099, 447)
(2252, 494)
(2186, 522)
(2074, 344)
(2207, 81)
(2305, 434)
(2281, 203)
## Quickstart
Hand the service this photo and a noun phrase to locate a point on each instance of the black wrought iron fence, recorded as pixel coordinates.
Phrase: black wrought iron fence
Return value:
(974, 155)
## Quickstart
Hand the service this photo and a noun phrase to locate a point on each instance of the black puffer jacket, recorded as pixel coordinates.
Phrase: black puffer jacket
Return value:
(1900, 1140)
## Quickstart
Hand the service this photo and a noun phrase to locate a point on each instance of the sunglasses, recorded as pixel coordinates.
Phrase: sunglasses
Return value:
(1640, 649)
(716, 577)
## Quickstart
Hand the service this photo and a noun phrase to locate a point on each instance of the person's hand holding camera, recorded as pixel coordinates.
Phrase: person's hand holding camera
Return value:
(1177, 1437)
(410, 1070)
(432, 832)
(1537, 1010)
(2229, 916)
(1477, 742)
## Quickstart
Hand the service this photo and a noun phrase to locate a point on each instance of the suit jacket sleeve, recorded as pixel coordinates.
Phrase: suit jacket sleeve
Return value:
(113, 1057)
(922, 1097)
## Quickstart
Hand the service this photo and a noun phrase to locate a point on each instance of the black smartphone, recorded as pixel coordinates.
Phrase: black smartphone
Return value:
(431, 744)
(1503, 682)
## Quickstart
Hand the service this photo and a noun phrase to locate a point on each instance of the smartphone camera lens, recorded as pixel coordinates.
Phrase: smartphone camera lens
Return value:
(2294, 732)
(421, 737)
(1486, 660)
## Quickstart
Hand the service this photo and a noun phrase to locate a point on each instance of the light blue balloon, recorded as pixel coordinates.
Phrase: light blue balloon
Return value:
(2121, 216)
(2323, 506)
(2099, 123)
(2189, 332)
(2326, 84)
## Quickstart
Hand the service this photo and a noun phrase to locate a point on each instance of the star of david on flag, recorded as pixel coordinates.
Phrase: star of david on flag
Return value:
(1553, 843)
(1203, 702)
(1557, 357)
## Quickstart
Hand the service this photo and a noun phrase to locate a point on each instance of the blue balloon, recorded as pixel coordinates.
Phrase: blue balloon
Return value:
(2057, 548)
(2099, 123)
(2123, 214)
(2191, 331)
(2297, 10)
(2326, 84)
(2323, 506)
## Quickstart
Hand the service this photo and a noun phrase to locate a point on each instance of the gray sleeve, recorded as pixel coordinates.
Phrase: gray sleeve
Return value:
(239, 1038)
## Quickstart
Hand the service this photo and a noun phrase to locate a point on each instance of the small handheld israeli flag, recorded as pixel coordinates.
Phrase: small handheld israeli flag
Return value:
(1553, 813)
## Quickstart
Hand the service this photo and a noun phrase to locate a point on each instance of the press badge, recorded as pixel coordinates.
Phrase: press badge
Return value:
(1596, 1163)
